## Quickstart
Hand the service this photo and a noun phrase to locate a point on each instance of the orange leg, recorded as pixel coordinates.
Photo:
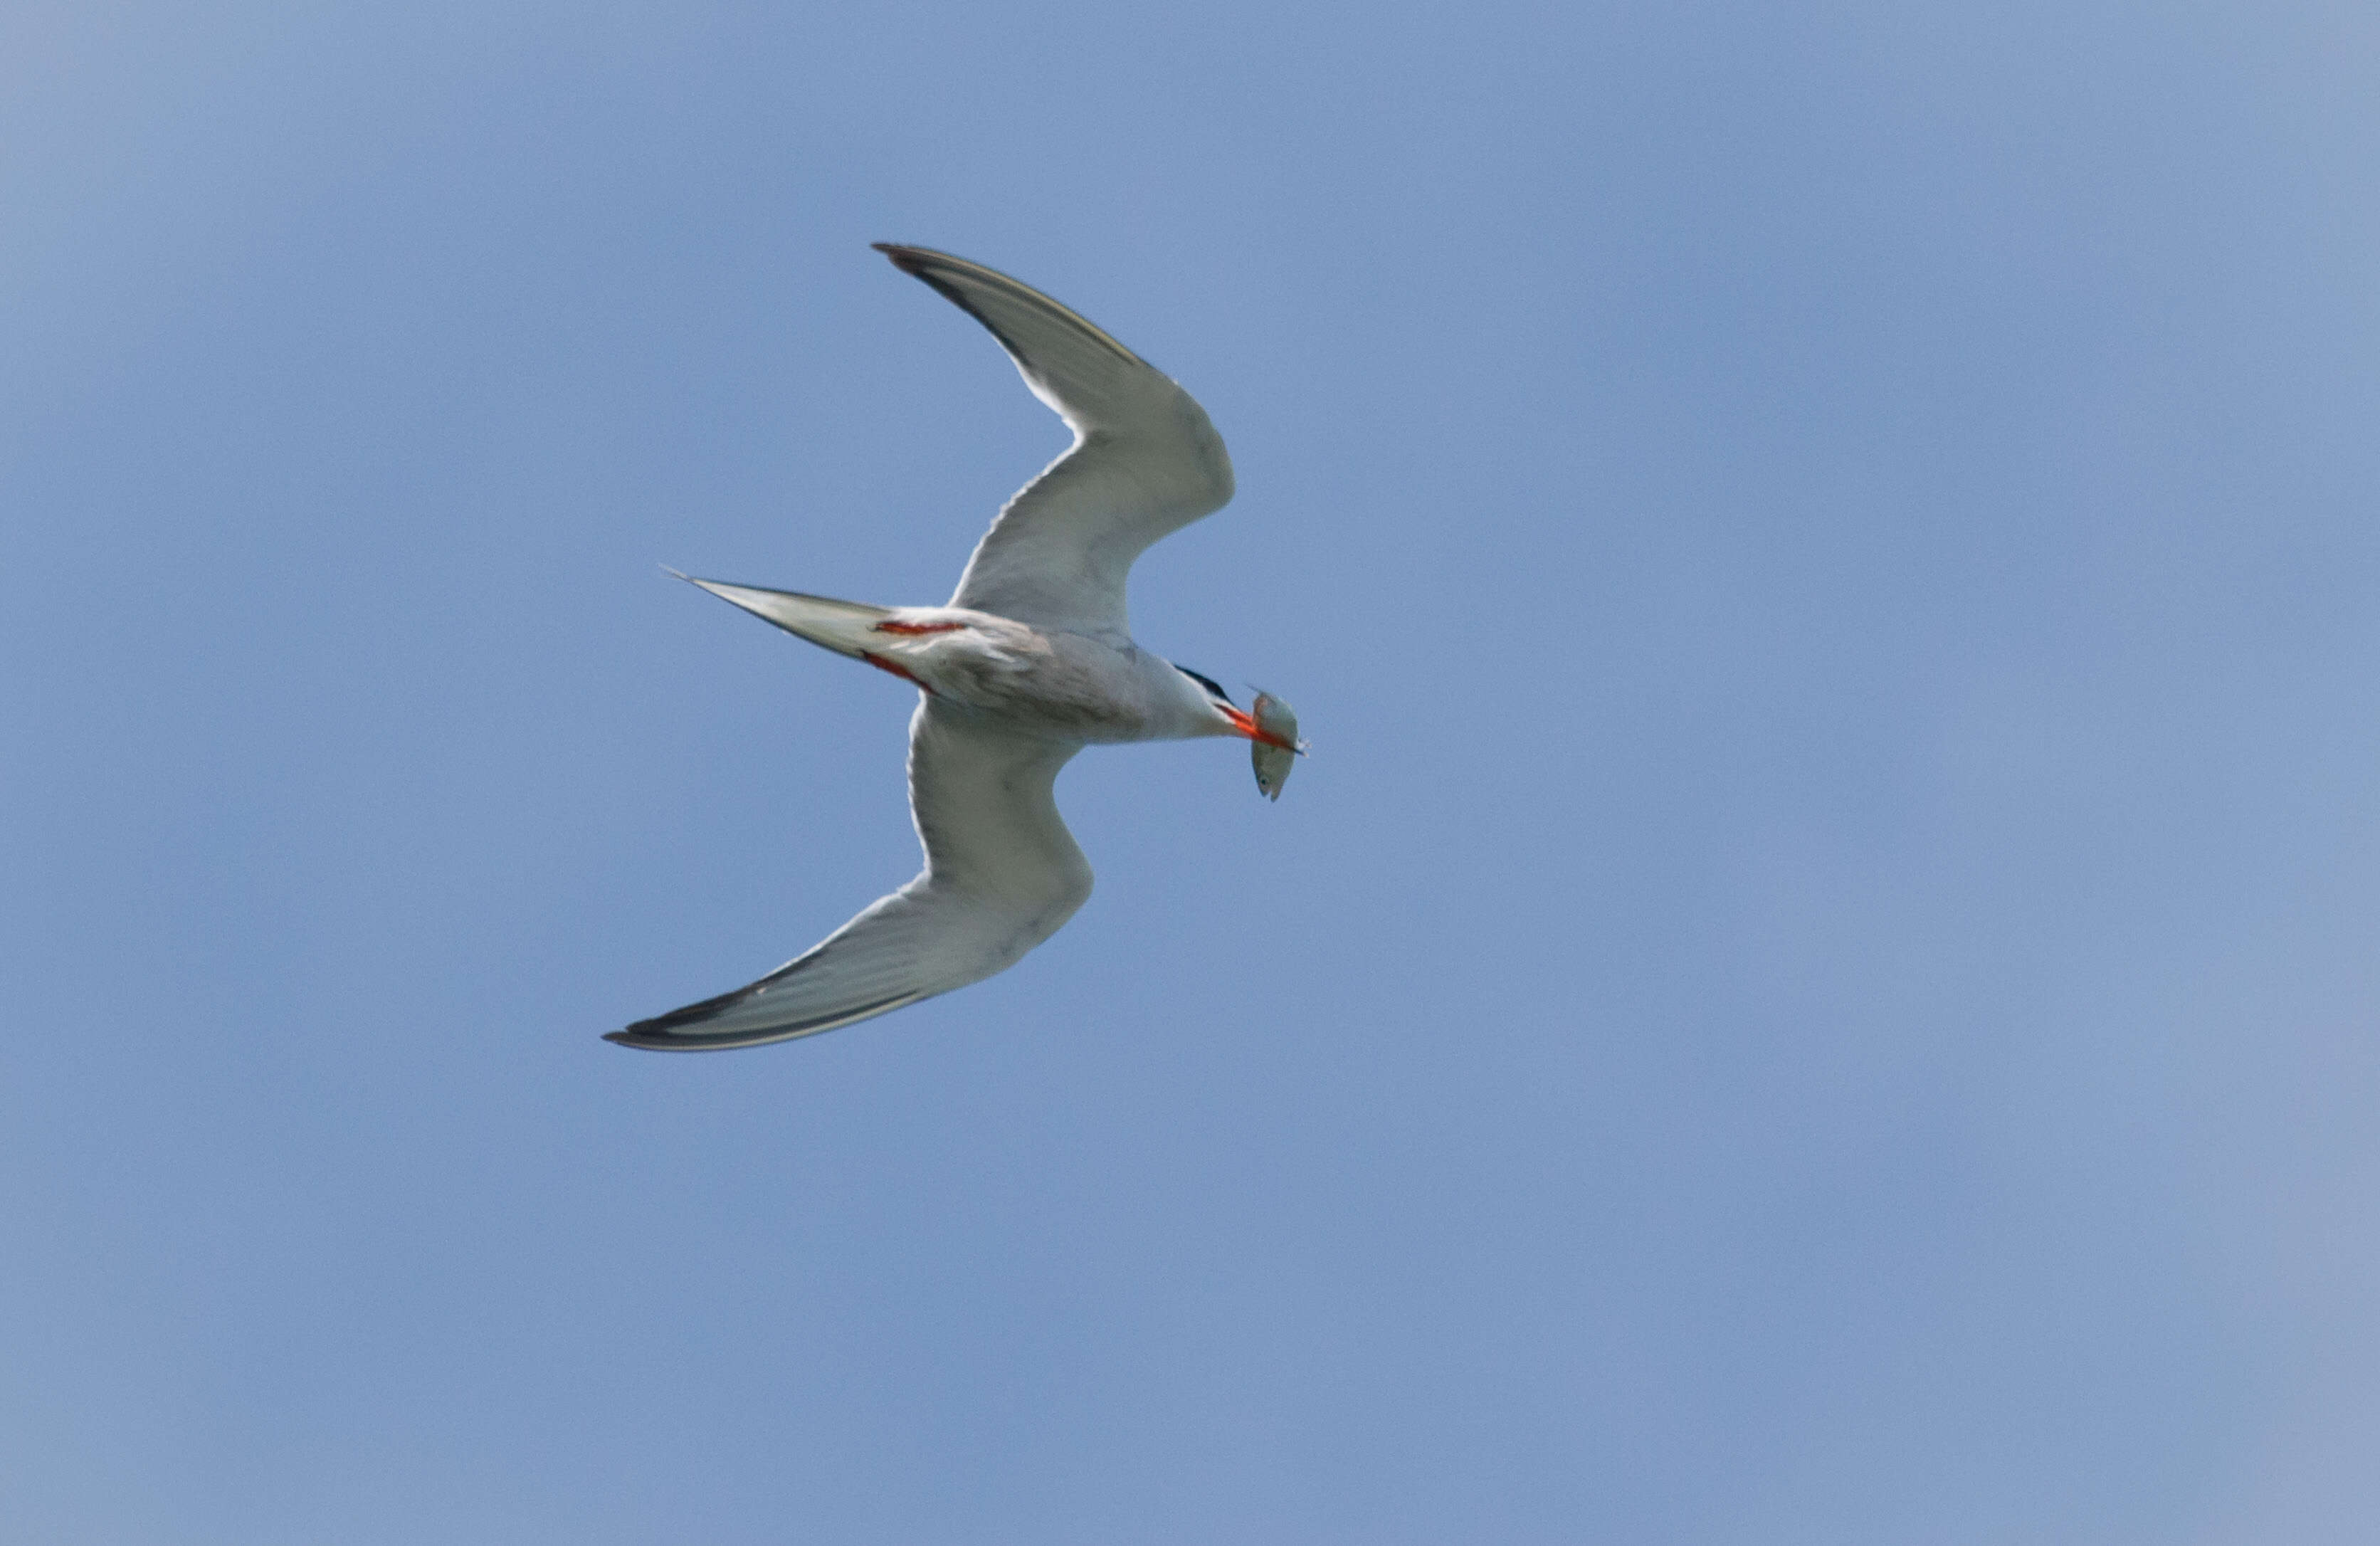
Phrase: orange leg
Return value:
(919, 627)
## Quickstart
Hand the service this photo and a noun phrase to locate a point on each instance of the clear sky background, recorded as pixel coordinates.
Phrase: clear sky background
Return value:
(1820, 984)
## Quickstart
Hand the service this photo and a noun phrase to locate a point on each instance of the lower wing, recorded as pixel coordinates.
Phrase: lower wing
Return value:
(1001, 875)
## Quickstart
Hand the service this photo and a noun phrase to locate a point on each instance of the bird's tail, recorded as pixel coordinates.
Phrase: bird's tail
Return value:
(845, 627)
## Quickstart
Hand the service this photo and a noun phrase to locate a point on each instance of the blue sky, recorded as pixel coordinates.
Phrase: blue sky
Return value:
(1819, 985)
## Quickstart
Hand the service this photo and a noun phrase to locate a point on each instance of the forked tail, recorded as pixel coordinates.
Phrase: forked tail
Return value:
(845, 627)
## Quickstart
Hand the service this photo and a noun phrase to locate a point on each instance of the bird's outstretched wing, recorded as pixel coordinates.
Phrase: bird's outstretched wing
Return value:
(1002, 875)
(1144, 459)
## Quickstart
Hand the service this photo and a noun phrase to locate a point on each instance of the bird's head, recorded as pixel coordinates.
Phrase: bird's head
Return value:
(1271, 728)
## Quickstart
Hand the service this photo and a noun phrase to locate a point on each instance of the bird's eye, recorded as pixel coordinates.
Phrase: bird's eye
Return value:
(1207, 682)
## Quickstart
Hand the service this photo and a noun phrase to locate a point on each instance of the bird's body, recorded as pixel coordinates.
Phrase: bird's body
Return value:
(1032, 660)
(1044, 681)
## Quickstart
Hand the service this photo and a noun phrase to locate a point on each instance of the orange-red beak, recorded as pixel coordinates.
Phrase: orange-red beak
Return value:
(1248, 727)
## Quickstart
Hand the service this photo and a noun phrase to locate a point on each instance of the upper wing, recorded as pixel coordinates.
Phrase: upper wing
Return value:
(1002, 875)
(1144, 459)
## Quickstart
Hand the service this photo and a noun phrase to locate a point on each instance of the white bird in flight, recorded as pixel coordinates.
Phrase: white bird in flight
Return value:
(1032, 660)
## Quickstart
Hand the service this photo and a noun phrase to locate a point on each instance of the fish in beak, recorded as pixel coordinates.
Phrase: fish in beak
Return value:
(1274, 747)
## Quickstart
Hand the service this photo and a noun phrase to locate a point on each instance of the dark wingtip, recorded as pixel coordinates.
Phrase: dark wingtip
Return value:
(656, 1035)
(650, 1041)
(908, 259)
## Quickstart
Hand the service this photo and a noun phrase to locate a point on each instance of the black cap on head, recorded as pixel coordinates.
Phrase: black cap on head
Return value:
(1207, 682)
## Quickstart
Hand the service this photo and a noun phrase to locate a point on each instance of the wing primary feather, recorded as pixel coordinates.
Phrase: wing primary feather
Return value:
(934, 268)
(656, 1035)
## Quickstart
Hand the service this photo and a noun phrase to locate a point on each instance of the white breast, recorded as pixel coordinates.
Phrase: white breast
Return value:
(1059, 684)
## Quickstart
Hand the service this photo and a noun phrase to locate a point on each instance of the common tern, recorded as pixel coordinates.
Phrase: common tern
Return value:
(1032, 660)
